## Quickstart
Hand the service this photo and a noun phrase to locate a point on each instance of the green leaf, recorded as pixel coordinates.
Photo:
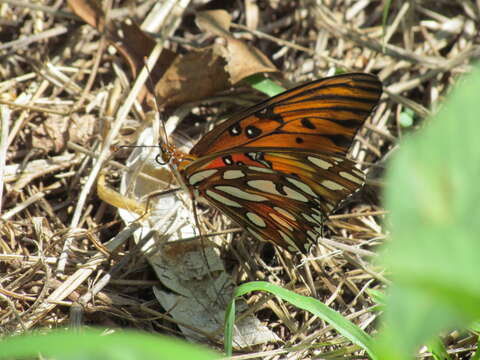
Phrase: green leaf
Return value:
(438, 350)
(433, 197)
(90, 344)
(263, 84)
(342, 325)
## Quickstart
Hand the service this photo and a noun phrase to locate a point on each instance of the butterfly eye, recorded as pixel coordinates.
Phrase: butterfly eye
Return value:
(160, 159)
(164, 155)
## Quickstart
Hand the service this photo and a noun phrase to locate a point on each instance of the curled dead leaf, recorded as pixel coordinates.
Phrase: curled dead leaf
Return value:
(215, 22)
(191, 77)
(88, 11)
(242, 60)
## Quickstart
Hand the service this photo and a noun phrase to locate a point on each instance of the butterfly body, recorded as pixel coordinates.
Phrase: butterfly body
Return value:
(279, 168)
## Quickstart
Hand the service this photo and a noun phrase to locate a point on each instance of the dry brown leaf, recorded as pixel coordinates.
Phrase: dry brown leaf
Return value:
(89, 11)
(136, 45)
(193, 76)
(215, 22)
(52, 135)
(242, 60)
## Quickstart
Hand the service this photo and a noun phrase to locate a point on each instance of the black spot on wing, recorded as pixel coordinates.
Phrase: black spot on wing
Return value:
(340, 140)
(235, 129)
(347, 123)
(267, 113)
(307, 124)
(227, 160)
(253, 132)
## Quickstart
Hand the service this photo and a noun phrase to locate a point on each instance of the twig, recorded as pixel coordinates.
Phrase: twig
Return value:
(59, 30)
(5, 114)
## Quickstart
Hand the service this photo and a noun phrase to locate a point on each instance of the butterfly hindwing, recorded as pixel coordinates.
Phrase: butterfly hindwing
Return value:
(277, 195)
(322, 115)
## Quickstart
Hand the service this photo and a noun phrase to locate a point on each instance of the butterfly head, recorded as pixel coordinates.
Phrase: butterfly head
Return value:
(165, 154)
(170, 155)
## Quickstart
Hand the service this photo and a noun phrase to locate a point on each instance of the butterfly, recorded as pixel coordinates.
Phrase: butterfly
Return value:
(279, 168)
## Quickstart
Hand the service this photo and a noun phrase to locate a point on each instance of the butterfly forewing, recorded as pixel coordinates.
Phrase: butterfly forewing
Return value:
(321, 115)
(277, 195)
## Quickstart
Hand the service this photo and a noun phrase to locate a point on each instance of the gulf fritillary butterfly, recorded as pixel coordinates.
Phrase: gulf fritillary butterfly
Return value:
(278, 169)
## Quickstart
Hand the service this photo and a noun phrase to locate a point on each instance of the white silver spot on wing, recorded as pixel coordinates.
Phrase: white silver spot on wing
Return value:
(292, 194)
(307, 246)
(302, 186)
(233, 174)
(309, 218)
(201, 175)
(280, 221)
(288, 240)
(332, 185)
(222, 199)
(264, 185)
(255, 219)
(318, 218)
(350, 177)
(235, 130)
(284, 213)
(258, 157)
(231, 190)
(255, 234)
(319, 162)
(312, 235)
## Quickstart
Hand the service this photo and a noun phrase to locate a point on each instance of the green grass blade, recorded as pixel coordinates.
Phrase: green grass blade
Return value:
(314, 306)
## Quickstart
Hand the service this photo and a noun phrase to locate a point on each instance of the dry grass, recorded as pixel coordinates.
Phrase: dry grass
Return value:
(59, 79)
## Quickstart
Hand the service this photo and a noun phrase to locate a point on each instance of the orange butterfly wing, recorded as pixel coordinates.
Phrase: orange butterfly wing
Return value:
(321, 115)
(279, 168)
